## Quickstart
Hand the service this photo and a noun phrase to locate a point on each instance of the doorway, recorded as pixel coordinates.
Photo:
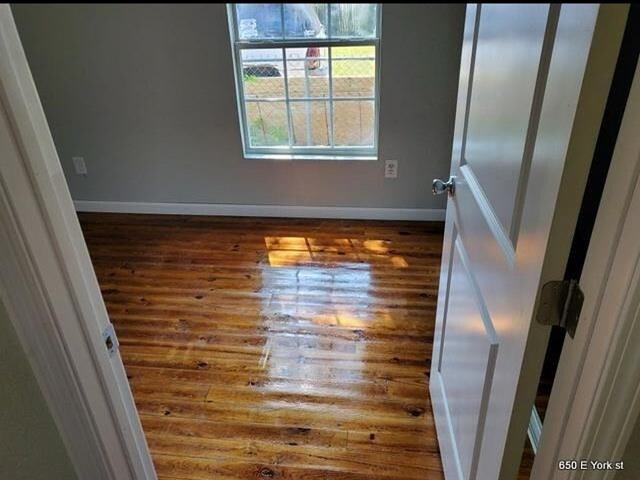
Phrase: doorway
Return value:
(319, 254)
(275, 348)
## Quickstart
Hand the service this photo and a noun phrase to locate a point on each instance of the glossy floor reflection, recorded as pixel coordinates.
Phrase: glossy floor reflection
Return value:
(275, 348)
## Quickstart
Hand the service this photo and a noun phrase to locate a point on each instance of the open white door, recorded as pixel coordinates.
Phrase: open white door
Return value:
(526, 123)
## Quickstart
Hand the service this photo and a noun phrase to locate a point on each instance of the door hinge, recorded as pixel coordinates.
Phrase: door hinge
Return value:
(110, 339)
(560, 305)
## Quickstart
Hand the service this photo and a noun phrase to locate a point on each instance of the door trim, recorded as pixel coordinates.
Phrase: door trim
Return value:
(50, 291)
(604, 407)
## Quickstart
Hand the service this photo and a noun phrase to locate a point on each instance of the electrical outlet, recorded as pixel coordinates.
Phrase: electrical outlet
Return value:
(391, 169)
(79, 165)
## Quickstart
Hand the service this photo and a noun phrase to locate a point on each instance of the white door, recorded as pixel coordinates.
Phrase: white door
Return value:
(508, 227)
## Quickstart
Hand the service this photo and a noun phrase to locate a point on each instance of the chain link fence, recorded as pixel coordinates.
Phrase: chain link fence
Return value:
(306, 101)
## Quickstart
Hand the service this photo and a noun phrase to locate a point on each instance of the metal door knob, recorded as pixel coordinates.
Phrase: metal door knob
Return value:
(439, 187)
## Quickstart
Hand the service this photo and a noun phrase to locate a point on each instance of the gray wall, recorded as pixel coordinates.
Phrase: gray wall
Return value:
(30, 445)
(146, 94)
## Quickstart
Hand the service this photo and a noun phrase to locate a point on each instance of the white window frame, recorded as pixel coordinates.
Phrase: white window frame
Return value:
(291, 152)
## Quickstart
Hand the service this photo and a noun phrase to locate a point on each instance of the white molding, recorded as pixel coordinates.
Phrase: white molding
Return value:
(598, 375)
(355, 213)
(50, 290)
(34, 321)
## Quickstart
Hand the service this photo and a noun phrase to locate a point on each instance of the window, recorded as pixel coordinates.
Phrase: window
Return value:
(307, 78)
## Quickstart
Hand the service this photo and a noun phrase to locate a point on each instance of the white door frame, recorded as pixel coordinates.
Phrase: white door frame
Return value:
(595, 401)
(50, 291)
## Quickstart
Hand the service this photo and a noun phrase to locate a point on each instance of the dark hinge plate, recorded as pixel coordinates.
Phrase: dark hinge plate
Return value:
(560, 305)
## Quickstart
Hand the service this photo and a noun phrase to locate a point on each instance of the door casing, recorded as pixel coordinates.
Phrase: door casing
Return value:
(591, 416)
(50, 290)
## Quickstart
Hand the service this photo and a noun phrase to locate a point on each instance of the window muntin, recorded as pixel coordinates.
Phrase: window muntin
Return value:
(307, 78)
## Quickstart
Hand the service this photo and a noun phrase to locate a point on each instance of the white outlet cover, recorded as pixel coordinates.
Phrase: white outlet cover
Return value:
(79, 165)
(391, 169)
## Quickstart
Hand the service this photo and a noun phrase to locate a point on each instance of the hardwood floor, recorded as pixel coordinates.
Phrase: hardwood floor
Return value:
(275, 348)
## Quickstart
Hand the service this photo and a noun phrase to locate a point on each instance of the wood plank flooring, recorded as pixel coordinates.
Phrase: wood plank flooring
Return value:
(275, 348)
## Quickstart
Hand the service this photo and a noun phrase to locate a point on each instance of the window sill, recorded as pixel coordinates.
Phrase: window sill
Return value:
(286, 156)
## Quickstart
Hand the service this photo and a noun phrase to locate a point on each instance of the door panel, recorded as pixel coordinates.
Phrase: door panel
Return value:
(508, 51)
(467, 361)
(508, 225)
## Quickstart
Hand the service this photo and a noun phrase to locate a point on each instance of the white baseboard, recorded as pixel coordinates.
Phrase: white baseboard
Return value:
(355, 213)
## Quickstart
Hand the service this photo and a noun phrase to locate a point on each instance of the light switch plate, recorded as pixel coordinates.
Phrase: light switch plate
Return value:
(391, 169)
(79, 165)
